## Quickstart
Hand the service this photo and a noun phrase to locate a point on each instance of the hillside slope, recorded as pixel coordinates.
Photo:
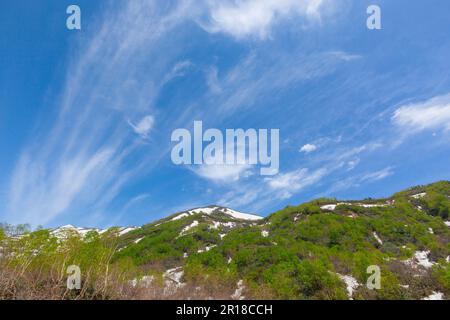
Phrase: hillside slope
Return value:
(318, 250)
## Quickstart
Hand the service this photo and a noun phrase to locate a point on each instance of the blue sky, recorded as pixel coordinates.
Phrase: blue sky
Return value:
(86, 115)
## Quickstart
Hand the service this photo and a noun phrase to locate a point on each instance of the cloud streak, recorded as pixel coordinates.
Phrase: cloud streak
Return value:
(431, 114)
(255, 18)
(88, 155)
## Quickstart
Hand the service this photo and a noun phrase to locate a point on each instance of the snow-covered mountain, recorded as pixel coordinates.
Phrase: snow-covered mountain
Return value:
(212, 210)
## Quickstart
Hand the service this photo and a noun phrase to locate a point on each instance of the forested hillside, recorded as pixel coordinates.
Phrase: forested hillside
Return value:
(318, 250)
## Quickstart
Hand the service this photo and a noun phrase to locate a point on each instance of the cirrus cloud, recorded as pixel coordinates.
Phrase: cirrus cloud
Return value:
(254, 18)
(431, 114)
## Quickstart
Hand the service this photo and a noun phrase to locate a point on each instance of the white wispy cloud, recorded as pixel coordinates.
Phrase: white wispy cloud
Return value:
(144, 126)
(358, 180)
(85, 158)
(307, 148)
(352, 164)
(178, 70)
(377, 175)
(256, 196)
(213, 81)
(345, 56)
(289, 183)
(223, 173)
(431, 114)
(255, 18)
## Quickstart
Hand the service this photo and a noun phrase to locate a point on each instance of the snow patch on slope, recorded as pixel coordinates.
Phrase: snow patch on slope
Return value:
(189, 227)
(241, 215)
(377, 238)
(210, 210)
(419, 195)
(332, 207)
(420, 259)
(63, 231)
(123, 231)
(351, 284)
(435, 296)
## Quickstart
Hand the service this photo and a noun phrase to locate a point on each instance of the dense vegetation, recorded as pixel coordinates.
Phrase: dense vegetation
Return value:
(299, 252)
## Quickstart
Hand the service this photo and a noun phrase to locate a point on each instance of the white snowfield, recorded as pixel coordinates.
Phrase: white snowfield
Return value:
(62, 232)
(138, 240)
(377, 238)
(189, 227)
(332, 207)
(419, 195)
(180, 216)
(123, 231)
(209, 210)
(420, 259)
(217, 224)
(241, 215)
